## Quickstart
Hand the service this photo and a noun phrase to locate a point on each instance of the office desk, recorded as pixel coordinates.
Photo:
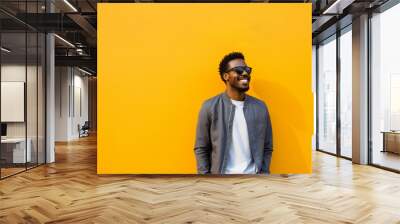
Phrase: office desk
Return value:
(13, 150)
(391, 141)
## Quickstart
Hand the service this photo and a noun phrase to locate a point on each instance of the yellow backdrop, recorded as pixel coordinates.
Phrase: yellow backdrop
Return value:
(158, 62)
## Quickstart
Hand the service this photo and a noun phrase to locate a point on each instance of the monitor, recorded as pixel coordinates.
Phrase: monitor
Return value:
(3, 129)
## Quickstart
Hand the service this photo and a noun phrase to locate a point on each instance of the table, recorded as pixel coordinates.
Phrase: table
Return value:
(391, 141)
(13, 150)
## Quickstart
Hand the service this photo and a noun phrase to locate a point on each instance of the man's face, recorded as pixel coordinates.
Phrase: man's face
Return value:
(241, 82)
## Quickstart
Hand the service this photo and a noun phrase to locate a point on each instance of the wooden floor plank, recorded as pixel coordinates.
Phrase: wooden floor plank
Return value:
(70, 191)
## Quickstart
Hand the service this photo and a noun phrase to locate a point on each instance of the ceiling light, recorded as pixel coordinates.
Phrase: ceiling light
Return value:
(5, 50)
(65, 41)
(84, 71)
(70, 5)
(338, 6)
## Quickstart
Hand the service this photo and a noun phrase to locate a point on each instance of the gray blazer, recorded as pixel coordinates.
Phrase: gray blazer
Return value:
(214, 133)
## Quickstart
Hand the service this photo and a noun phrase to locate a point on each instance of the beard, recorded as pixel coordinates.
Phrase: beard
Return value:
(242, 89)
(239, 86)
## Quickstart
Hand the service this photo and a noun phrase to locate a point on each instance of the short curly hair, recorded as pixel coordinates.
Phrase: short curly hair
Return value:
(223, 65)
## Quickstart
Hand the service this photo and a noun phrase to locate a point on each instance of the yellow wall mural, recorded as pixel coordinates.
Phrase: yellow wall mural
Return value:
(157, 63)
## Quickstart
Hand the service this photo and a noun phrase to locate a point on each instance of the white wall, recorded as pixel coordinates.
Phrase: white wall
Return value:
(71, 102)
(16, 73)
(81, 103)
(12, 73)
(62, 81)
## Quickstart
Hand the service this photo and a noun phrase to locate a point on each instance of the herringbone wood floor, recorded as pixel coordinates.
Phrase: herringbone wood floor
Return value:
(69, 191)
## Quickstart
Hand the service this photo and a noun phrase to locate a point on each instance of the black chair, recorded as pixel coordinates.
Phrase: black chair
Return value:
(84, 130)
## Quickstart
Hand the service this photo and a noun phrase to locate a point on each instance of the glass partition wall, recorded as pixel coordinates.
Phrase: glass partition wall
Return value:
(13, 90)
(22, 88)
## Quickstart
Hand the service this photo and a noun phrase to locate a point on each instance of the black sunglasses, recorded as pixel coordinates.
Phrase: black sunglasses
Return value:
(240, 70)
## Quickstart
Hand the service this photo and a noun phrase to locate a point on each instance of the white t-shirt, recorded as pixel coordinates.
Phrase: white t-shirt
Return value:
(239, 160)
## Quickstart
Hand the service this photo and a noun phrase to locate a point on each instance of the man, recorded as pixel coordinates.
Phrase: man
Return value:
(234, 134)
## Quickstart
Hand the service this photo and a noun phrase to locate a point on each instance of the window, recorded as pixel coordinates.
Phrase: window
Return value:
(327, 95)
(385, 88)
(346, 93)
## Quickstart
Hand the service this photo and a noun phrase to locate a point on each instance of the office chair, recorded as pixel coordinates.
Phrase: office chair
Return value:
(84, 130)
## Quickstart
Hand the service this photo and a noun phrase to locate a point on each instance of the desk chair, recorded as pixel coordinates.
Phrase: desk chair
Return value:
(84, 130)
